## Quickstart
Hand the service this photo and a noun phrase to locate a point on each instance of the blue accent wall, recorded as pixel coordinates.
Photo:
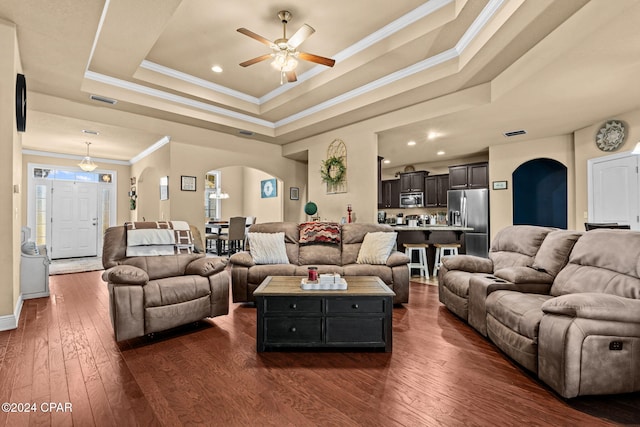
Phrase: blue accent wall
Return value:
(540, 193)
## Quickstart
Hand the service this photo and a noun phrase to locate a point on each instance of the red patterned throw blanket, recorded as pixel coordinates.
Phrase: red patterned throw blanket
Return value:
(158, 238)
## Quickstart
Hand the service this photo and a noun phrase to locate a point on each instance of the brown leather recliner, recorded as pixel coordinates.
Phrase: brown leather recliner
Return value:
(154, 293)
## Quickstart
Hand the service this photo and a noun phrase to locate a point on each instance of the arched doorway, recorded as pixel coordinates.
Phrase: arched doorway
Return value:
(540, 193)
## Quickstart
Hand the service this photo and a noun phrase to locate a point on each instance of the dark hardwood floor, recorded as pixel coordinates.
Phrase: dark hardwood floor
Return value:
(440, 373)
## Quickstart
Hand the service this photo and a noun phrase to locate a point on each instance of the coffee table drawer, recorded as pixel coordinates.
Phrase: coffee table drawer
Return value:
(282, 330)
(354, 331)
(292, 305)
(355, 305)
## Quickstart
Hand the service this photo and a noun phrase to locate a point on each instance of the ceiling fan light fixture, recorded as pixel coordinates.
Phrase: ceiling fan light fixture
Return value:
(86, 164)
(283, 61)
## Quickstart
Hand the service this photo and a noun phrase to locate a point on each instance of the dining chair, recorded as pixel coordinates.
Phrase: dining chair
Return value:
(212, 242)
(237, 234)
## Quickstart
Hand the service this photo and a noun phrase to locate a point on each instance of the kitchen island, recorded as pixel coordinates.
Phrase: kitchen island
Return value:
(431, 234)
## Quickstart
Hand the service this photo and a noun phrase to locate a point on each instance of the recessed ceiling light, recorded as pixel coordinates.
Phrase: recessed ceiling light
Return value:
(216, 69)
(411, 143)
(440, 153)
(432, 135)
(386, 161)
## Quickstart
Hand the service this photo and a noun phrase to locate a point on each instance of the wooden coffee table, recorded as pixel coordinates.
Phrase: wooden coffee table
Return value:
(290, 317)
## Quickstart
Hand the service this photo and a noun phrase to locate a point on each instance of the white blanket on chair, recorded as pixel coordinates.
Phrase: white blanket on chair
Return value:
(149, 236)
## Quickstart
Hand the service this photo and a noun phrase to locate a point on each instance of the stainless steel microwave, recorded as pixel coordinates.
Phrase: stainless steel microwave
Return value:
(411, 200)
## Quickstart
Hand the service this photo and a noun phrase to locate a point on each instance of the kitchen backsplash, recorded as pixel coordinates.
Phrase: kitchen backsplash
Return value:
(392, 213)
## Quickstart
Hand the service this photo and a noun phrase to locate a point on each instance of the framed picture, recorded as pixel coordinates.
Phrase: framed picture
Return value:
(268, 188)
(164, 188)
(294, 193)
(499, 185)
(188, 183)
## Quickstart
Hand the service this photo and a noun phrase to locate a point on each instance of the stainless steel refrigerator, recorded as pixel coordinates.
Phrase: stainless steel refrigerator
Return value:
(470, 208)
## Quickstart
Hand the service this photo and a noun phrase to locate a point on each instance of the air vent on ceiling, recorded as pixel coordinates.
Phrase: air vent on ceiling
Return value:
(103, 99)
(245, 132)
(515, 133)
(90, 132)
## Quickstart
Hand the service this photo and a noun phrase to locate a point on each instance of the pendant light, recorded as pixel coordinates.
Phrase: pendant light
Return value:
(87, 164)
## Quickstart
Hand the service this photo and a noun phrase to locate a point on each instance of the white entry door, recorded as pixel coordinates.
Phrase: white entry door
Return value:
(74, 219)
(615, 190)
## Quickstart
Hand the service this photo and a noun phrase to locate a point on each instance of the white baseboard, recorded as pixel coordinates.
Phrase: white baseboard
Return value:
(10, 321)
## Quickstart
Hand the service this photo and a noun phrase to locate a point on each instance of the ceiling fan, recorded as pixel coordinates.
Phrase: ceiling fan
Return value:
(285, 55)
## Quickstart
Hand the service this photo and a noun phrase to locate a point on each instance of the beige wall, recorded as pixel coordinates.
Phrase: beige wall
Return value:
(10, 173)
(232, 182)
(265, 210)
(195, 156)
(362, 173)
(586, 149)
(504, 160)
(243, 186)
(147, 173)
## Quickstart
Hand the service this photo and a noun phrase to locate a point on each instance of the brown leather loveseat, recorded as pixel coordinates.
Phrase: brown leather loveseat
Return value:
(154, 293)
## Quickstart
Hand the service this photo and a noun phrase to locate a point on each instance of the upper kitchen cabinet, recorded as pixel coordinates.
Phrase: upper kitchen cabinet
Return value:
(412, 182)
(435, 191)
(473, 175)
(390, 194)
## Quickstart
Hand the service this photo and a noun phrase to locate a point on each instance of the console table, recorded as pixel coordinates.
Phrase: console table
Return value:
(290, 317)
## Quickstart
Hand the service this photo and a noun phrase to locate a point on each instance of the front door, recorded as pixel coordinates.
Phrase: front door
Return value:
(74, 219)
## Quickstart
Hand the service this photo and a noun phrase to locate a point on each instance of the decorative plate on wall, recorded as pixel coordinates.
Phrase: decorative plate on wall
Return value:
(610, 136)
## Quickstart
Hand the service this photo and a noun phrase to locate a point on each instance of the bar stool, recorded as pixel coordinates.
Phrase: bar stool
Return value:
(443, 249)
(422, 264)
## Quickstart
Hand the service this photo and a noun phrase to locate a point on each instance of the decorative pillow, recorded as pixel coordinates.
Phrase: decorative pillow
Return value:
(376, 247)
(268, 248)
(319, 232)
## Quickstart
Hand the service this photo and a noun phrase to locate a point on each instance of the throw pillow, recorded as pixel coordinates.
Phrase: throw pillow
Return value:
(268, 248)
(376, 247)
(319, 232)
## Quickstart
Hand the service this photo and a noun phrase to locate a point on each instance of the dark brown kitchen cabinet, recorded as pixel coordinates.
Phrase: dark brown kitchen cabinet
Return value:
(390, 194)
(474, 175)
(478, 175)
(435, 190)
(412, 182)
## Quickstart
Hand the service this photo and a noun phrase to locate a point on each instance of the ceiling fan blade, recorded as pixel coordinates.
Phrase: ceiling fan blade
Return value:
(255, 60)
(317, 59)
(255, 36)
(301, 35)
(291, 76)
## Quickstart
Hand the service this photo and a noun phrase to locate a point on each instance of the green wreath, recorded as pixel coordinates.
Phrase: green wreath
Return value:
(335, 164)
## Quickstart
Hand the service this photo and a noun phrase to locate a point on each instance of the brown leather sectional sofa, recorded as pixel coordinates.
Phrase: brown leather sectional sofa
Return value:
(246, 276)
(563, 304)
(154, 293)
